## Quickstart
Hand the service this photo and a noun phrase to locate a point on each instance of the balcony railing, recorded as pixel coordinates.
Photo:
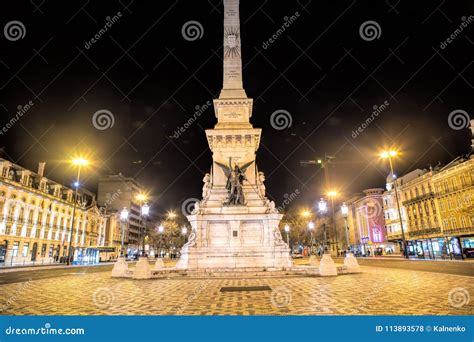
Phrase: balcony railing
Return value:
(459, 230)
(426, 231)
(419, 198)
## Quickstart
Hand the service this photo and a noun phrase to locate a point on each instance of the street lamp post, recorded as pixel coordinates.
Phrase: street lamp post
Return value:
(123, 222)
(287, 231)
(389, 155)
(161, 230)
(184, 231)
(311, 228)
(345, 212)
(322, 206)
(331, 195)
(145, 210)
(79, 162)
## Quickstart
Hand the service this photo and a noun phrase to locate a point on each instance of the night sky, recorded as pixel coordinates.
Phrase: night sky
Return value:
(151, 79)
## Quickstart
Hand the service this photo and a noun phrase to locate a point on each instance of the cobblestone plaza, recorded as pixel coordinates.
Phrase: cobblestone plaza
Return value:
(375, 291)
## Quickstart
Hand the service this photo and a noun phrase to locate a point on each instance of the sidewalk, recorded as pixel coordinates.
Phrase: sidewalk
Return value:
(7, 269)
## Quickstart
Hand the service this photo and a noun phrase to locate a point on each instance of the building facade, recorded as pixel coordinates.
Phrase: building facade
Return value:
(393, 222)
(453, 187)
(116, 192)
(424, 234)
(367, 233)
(36, 219)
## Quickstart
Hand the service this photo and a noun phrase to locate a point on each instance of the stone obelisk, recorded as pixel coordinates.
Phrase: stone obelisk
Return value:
(234, 225)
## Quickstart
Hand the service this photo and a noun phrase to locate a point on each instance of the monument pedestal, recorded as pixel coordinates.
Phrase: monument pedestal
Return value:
(142, 269)
(120, 268)
(224, 241)
(327, 267)
(351, 263)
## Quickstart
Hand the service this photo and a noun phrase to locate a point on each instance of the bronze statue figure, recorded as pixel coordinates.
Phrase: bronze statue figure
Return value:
(235, 178)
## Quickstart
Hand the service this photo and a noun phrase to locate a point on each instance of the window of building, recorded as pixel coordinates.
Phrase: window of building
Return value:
(43, 250)
(445, 224)
(15, 247)
(454, 222)
(51, 247)
(26, 246)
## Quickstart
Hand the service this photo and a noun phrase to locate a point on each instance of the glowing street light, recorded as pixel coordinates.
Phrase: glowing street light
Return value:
(145, 210)
(305, 213)
(322, 206)
(184, 230)
(141, 198)
(161, 229)
(171, 215)
(344, 209)
(79, 163)
(390, 154)
(124, 214)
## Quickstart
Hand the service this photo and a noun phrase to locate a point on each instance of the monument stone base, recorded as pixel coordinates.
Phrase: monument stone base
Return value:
(142, 269)
(235, 240)
(351, 263)
(327, 267)
(120, 268)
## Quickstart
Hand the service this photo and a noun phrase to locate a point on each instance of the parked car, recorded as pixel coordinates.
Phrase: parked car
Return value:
(468, 252)
(297, 255)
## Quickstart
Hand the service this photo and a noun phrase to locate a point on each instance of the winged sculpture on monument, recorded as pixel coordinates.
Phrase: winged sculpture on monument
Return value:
(235, 178)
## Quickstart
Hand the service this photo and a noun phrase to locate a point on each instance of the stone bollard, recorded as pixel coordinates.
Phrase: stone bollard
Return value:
(327, 267)
(351, 263)
(313, 261)
(142, 269)
(159, 264)
(120, 268)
